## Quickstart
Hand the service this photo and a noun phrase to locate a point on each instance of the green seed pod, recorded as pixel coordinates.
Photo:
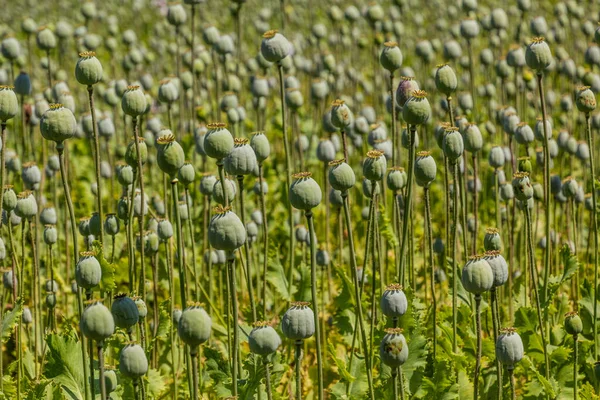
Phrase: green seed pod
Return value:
(207, 183)
(368, 189)
(186, 174)
(425, 169)
(170, 155)
(45, 39)
(573, 323)
(477, 275)
(393, 349)
(123, 208)
(498, 265)
(393, 302)
(416, 110)
(125, 173)
(305, 193)
(31, 175)
(11, 48)
(405, 90)
(585, 100)
(26, 205)
(58, 124)
(88, 70)
(226, 231)
(473, 140)
(538, 55)
(453, 145)
(88, 272)
(23, 84)
(217, 193)
(341, 175)
(391, 56)
(524, 165)
(168, 91)
(374, 166)
(569, 187)
(50, 235)
(9, 106)
(241, 160)
(111, 224)
(176, 15)
(260, 145)
(9, 201)
(396, 179)
(263, 339)
(164, 230)
(326, 151)
(97, 322)
(50, 300)
(509, 347)
(341, 116)
(141, 306)
(522, 186)
(298, 322)
(275, 47)
(194, 326)
(134, 101)
(524, 134)
(124, 311)
(496, 157)
(445, 80)
(131, 157)
(133, 362)
(110, 380)
(218, 141)
(94, 224)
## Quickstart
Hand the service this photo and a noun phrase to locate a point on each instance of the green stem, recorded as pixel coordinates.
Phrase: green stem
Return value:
(142, 203)
(247, 250)
(90, 90)
(193, 240)
(268, 379)
(313, 284)
(453, 250)
(101, 373)
(431, 266)
(478, 360)
(263, 210)
(407, 201)
(180, 266)
(575, 386)
(511, 375)
(496, 327)
(395, 379)
(298, 359)
(222, 180)
(2, 162)
(236, 331)
(194, 355)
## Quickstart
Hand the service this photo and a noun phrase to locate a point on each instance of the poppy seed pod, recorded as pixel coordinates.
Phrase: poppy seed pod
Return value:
(260, 144)
(134, 101)
(573, 323)
(131, 154)
(97, 322)
(217, 192)
(298, 322)
(186, 174)
(416, 110)
(207, 183)
(124, 311)
(445, 79)
(111, 224)
(58, 124)
(164, 230)
(496, 157)
(396, 179)
(226, 231)
(133, 362)
(176, 15)
(569, 187)
(473, 139)
(125, 175)
(88, 70)
(194, 326)
(9, 200)
(452, 144)
(393, 301)
(341, 175)
(538, 55)
(170, 156)
(522, 186)
(477, 275)
(341, 116)
(88, 272)
(168, 91)
(241, 160)
(499, 267)
(393, 348)
(9, 106)
(405, 90)
(275, 47)
(585, 100)
(326, 151)
(11, 48)
(425, 169)
(45, 39)
(524, 134)
(263, 339)
(374, 166)
(26, 205)
(218, 141)
(509, 347)
(469, 28)
(391, 56)
(22, 84)
(305, 193)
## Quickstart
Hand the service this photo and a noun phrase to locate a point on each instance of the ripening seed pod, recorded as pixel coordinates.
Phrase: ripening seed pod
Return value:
(218, 141)
(26, 205)
(58, 124)
(124, 311)
(131, 153)
(445, 80)
(573, 323)
(263, 339)
(88, 272)
(499, 267)
(538, 55)
(275, 47)
(241, 160)
(45, 39)
(452, 144)
(176, 15)
(298, 322)
(425, 169)
(9, 106)
(170, 156)
(391, 56)
(97, 322)
(304, 193)
(226, 231)
(111, 224)
(393, 301)
(194, 326)
(405, 90)
(509, 347)
(374, 166)
(477, 275)
(341, 175)
(88, 70)
(522, 186)
(416, 110)
(134, 102)
(396, 179)
(50, 235)
(585, 100)
(133, 362)
(260, 144)
(168, 91)
(393, 348)
(341, 116)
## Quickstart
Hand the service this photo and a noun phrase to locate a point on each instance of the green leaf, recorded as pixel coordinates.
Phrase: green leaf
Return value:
(43, 390)
(108, 282)
(11, 319)
(340, 364)
(156, 384)
(64, 366)
(385, 227)
(546, 386)
(277, 278)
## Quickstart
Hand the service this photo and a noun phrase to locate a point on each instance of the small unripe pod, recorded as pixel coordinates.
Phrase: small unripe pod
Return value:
(134, 102)
(176, 15)
(263, 339)
(499, 267)
(585, 100)
(26, 205)
(374, 166)
(133, 362)
(88, 70)
(573, 323)
(125, 311)
(453, 145)
(97, 322)
(170, 156)
(218, 141)
(445, 79)
(50, 235)
(260, 145)
(473, 141)
(45, 39)
(88, 271)
(241, 160)
(9, 106)
(391, 56)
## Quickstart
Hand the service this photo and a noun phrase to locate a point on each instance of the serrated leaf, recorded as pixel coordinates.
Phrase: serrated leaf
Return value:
(340, 364)
(277, 278)
(107, 283)
(43, 390)
(64, 366)
(385, 227)
(156, 384)
(11, 319)
(547, 386)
